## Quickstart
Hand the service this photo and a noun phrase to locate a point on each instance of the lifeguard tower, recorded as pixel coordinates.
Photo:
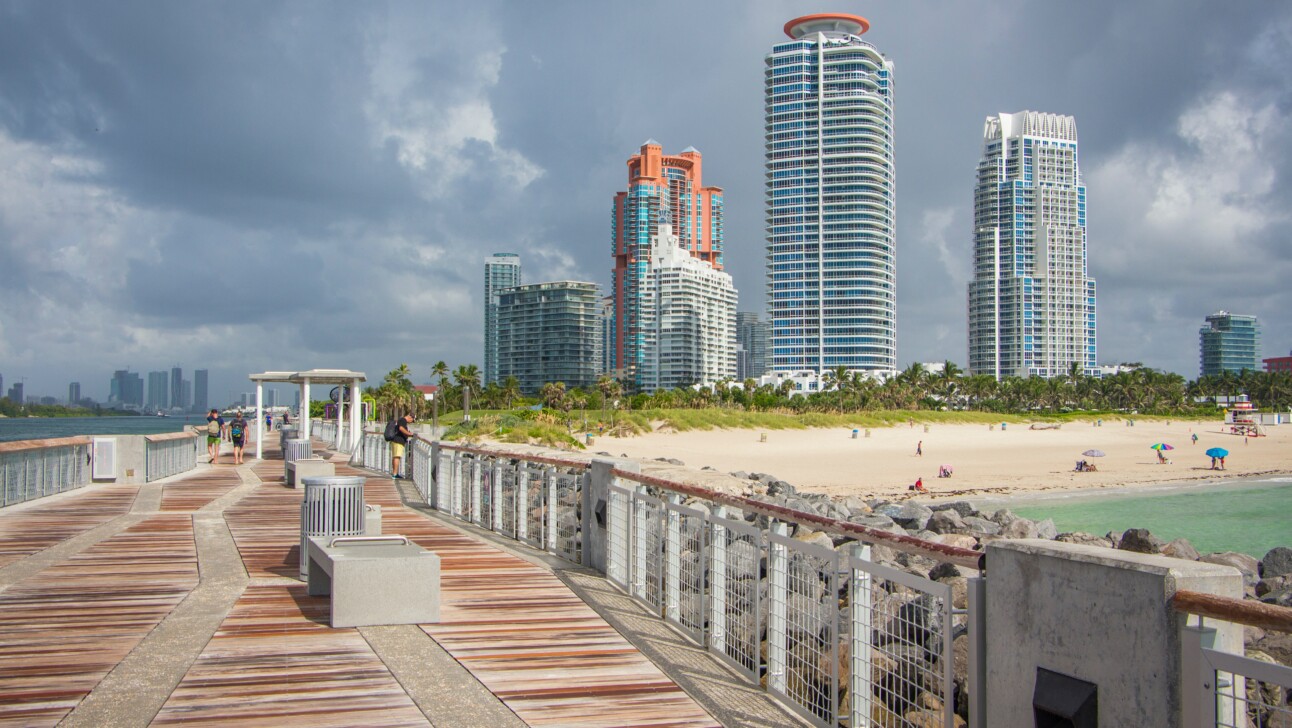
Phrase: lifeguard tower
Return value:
(1242, 418)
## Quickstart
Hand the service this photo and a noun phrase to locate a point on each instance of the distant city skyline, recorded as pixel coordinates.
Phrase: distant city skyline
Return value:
(309, 158)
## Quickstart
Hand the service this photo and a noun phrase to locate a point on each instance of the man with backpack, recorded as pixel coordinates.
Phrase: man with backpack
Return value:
(397, 435)
(238, 434)
(214, 428)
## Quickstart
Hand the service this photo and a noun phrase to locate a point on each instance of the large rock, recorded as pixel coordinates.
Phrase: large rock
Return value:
(1248, 565)
(981, 526)
(1046, 529)
(946, 521)
(815, 537)
(1272, 584)
(855, 504)
(1083, 538)
(1277, 562)
(959, 540)
(1020, 528)
(1002, 517)
(780, 488)
(1180, 548)
(1280, 598)
(963, 508)
(1140, 541)
(876, 521)
(907, 514)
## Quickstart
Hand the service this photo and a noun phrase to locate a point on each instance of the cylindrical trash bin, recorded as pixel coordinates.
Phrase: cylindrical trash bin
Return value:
(854, 434)
(333, 506)
(294, 450)
(285, 434)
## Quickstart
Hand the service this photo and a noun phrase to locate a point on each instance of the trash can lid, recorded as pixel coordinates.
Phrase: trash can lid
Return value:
(322, 481)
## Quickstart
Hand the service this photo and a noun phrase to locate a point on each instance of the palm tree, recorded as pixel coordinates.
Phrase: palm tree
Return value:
(468, 379)
(441, 370)
(510, 390)
(553, 394)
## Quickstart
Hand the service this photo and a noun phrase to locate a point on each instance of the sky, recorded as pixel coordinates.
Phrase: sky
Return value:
(251, 186)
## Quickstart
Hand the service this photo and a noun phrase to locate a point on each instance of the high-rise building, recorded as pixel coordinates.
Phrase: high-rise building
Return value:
(185, 394)
(127, 388)
(502, 270)
(606, 310)
(16, 393)
(1229, 343)
(662, 190)
(753, 340)
(73, 394)
(830, 199)
(1031, 300)
(1, 382)
(177, 388)
(690, 319)
(158, 391)
(200, 384)
(549, 332)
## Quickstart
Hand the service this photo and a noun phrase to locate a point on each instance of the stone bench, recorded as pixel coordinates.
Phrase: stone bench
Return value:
(307, 468)
(375, 580)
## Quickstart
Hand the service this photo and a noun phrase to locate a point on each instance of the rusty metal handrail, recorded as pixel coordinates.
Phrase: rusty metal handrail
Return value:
(21, 445)
(907, 544)
(1239, 611)
(558, 462)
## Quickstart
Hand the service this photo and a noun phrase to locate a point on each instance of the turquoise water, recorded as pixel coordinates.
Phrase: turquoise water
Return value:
(1249, 516)
(40, 428)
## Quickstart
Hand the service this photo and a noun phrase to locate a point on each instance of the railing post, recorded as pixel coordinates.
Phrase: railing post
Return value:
(495, 501)
(549, 489)
(673, 567)
(861, 669)
(977, 631)
(778, 593)
(455, 485)
(1197, 678)
(522, 501)
(616, 535)
(718, 583)
(637, 554)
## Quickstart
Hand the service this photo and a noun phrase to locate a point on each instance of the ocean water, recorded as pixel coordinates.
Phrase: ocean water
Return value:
(40, 428)
(1250, 516)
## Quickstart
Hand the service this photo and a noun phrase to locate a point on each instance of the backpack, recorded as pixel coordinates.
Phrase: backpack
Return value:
(392, 430)
(213, 428)
(236, 429)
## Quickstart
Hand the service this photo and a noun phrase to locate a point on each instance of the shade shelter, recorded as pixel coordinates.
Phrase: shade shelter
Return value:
(343, 379)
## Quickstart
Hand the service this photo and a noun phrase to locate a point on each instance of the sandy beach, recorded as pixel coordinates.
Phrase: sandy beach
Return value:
(986, 461)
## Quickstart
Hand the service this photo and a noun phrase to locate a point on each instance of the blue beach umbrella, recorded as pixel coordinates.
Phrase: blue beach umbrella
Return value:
(1217, 452)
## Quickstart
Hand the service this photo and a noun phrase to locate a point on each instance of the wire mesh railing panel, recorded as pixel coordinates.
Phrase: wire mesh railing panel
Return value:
(618, 535)
(507, 501)
(462, 500)
(808, 632)
(30, 474)
(419, 454)
(689, 567)
(900, 648)
(1247, 692)
(533, 506)
(647, 557)
(568, 542)
(735, 594)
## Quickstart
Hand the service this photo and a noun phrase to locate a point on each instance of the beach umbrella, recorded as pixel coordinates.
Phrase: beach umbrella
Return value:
(1217, 452)
(1093, 453)
(1161, 446)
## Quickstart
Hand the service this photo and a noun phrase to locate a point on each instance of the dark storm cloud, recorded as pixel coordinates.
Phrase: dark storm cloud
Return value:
(341, 170)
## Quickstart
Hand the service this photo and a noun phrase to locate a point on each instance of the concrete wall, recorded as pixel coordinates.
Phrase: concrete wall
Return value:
(1095, 614)
(132, 459)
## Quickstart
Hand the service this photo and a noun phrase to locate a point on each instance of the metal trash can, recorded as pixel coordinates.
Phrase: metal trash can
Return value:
(285, 434)
(294, 450)
(333, 506)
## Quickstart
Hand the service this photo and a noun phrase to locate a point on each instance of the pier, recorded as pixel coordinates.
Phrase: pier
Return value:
(577, 592)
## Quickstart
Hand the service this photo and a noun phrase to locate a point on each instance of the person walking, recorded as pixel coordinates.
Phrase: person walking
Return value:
(397, 435)
(1195, 438)
(214, 428)
(238, 434)
(919, 448)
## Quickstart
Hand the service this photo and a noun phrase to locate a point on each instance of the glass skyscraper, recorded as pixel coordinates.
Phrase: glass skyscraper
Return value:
(550, 332)
(502, 270)
(830, 199)
(1229, 343)
(1031, 301)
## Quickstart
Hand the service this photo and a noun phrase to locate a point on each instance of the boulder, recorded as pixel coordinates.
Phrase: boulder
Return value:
(963, 508)
(873, 520)
(959, 540)
(1140, 541)
(1003, 517)
(815, 537)
(780, 488)
(946, 521)
(945, 571)
(981, 526)
(1046, 529)
(1277, 562)
(1180, 548)
(907, 514)
(855, 504)
(1083, 538)
(1272, 584)
(739, 474)
(1280, 598)
(1020, 528)
(1248, 565)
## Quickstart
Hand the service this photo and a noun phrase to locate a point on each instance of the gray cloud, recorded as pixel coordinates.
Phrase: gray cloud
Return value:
(338, 172)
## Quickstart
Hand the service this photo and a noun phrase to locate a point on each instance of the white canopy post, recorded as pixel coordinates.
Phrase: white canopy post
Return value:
(356, 416)
(340, 419)
(304, 413)
(260, 421)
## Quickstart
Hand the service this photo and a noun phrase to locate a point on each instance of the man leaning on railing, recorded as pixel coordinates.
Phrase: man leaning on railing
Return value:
(397, 435)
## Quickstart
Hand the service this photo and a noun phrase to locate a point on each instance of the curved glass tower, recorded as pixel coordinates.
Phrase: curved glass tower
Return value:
(831, 246)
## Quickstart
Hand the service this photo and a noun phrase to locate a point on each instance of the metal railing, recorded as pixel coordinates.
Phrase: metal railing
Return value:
(1221, 689)
(31, 469)
(834, 635)
(169, 454)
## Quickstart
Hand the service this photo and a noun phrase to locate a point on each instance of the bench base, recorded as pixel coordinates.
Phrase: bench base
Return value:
(307, 468)
(376, 583)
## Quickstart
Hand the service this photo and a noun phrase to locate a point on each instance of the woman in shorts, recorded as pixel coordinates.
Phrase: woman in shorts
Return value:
(238, 433)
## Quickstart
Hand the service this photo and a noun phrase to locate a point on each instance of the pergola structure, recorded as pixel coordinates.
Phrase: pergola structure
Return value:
(342, 378)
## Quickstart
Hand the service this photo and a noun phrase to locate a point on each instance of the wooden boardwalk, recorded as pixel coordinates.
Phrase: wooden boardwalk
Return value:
(273, 660)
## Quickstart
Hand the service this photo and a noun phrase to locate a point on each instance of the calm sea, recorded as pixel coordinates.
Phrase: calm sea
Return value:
(1250, 516)
(40, 428)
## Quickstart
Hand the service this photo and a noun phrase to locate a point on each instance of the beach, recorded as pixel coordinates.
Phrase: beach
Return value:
(987, 461)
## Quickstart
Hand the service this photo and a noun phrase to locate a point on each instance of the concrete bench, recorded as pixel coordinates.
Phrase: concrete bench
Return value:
(307, 468)
(375, 580)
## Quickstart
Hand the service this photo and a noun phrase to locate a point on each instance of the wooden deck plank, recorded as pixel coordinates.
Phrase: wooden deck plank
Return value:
(191, 493)
(29, 530)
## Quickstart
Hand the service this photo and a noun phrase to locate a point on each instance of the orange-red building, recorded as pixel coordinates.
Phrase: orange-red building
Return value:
(1278, 363)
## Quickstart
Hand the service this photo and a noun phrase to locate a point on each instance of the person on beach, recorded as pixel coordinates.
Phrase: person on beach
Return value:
(919, 448)
(919, 486)
(238, 434)
(1195, 438)
(1222, 462)
(269, 421)
(287, 419)
(397, 435)
(214, 428)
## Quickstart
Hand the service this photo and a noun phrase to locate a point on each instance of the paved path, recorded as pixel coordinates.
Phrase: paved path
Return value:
(176, 602)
